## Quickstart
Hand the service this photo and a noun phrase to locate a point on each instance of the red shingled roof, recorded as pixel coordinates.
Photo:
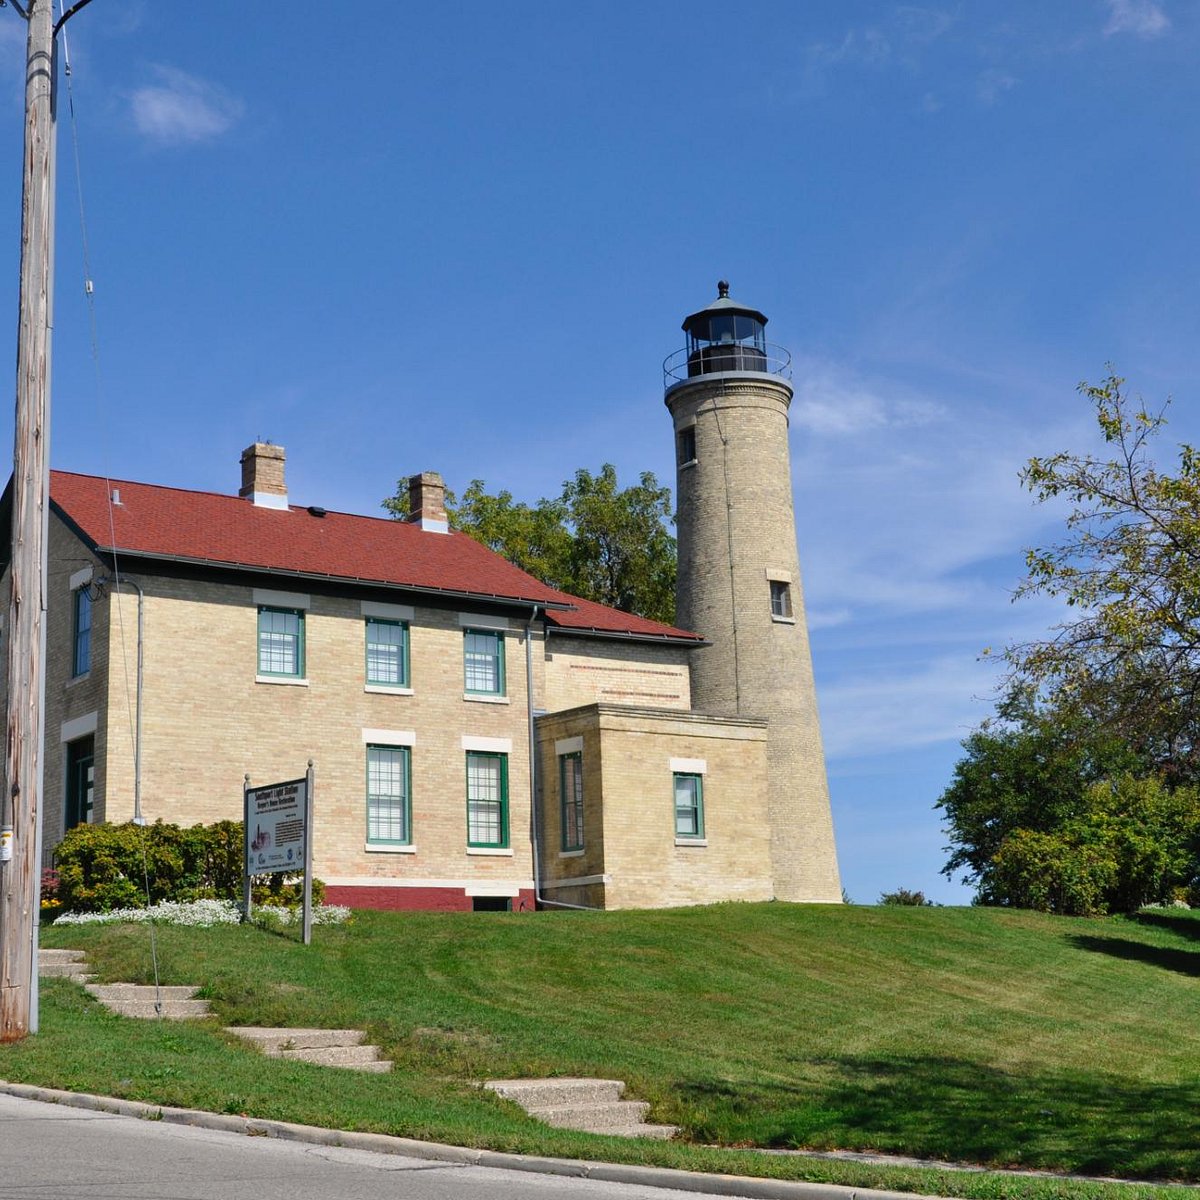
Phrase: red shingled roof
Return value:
(227, 531)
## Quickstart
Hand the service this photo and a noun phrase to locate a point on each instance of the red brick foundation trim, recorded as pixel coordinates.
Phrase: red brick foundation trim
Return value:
(406, 899)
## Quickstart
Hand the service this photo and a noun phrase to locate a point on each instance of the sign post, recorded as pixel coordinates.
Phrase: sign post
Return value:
(278, 825)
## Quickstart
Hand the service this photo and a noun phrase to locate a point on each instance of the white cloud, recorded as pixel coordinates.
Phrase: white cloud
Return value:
(182, 108)
(875, 712)
(1142, 18)
(828, 401)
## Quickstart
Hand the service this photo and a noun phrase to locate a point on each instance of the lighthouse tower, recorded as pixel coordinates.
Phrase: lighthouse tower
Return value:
(739, 573)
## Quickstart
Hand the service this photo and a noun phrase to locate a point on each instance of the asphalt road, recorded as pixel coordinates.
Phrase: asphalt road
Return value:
(54, 1152)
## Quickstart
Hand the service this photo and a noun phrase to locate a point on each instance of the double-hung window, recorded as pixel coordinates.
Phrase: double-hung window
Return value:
(81, 645)
(570, 789)
(689, 805)
(281, 642)
(487, 799)
(483, 662)
(389, 803)
(387, 653)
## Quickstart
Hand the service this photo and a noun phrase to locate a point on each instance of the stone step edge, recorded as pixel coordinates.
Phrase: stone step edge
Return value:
(270, 1039)
(557, 1091)
(600, 1119)
(174, 1010)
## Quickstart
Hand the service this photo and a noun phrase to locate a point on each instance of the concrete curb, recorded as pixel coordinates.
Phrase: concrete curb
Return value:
(381, 1143)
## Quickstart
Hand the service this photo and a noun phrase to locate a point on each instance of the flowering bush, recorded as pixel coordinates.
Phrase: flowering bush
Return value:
(203, 914)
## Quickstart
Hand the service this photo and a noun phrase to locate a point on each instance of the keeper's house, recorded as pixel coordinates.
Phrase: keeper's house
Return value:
(479, 739)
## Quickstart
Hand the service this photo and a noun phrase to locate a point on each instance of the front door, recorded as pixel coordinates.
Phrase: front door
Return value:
(81, 772)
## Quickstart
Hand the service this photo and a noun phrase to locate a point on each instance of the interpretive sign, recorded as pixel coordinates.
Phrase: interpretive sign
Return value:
(278, 836)
(276, 827)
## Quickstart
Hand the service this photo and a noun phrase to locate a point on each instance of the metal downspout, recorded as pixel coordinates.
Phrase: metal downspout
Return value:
(533, 807)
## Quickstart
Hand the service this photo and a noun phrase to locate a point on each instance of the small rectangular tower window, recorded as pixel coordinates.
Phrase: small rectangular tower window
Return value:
(781, 600)
(685, 441)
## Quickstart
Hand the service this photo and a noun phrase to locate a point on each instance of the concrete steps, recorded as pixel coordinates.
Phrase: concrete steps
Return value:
(64, 964)
(589, 1105)
(324, 1047)
(147, 1001)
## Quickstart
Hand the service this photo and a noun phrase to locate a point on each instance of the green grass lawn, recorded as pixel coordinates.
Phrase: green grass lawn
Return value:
(983, 1036)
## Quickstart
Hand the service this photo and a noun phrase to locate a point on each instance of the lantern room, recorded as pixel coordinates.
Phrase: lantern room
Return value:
(725, 336)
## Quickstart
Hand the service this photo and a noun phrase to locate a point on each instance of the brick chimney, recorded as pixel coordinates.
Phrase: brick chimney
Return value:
(262, 476)
(427, 502)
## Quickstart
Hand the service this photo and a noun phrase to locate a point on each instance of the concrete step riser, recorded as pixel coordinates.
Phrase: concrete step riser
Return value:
(272, 1041)
(176, 1010)
(61, 970)
(60, 956)
(561, 1093)
(662, 1132)
(140, 993)
(621, 1114)
(333, 1056)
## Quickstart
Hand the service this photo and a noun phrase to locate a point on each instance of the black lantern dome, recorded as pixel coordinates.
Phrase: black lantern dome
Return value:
(725, 336)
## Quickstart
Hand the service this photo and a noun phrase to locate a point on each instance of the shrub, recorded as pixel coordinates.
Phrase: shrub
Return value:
(105, 867)
(904, 896)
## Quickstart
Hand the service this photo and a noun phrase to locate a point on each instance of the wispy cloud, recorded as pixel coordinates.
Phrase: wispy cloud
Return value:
(1142, 18)
(880, 711)
(827, 401)
(181, 108)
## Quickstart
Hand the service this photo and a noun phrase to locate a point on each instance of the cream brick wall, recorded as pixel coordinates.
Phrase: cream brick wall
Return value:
(630, 848)
(736, 533)
(207, 721)
(70, 699)
(582, 670)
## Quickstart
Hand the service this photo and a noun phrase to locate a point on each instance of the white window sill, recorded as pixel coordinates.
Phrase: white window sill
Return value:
(79, 678)
(691, 462)
(490, 852)
(381, 848)
(691, 841)
(480, 698)
(571, 853)
(387, 690)
(286, 680)
(783, 620)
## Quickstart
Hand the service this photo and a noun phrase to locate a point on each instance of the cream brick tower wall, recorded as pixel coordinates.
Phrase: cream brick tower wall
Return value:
(737, 536)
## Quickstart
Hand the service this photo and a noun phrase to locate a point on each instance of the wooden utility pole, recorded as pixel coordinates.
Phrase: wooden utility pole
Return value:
(21, 791)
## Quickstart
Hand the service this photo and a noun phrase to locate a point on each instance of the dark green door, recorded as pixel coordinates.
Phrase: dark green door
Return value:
(81, 771)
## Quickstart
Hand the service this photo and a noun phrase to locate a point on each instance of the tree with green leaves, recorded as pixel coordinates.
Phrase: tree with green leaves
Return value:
(1078, 796)
(595, 539)
(1129, 568)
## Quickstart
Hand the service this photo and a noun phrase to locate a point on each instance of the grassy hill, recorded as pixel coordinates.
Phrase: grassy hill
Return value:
(977, 1035)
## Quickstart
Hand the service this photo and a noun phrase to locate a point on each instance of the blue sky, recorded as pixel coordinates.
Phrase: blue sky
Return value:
(461, 237)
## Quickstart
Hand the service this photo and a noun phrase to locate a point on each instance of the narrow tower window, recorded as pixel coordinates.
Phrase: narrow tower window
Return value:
(781, 600)
(686, 445)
